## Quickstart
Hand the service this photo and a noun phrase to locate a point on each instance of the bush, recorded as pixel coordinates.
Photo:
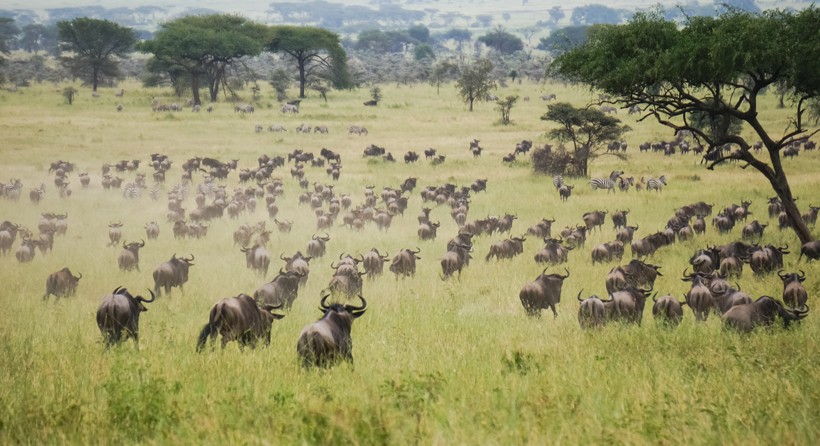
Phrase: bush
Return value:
(559, 161)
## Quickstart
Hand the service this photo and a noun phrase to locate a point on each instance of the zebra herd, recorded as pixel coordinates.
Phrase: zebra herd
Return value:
(615, 179)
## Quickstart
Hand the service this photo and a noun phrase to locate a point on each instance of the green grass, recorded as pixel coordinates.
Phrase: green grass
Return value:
(436, 362)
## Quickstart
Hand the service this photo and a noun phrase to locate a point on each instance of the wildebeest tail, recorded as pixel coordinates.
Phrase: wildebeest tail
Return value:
(210, 329)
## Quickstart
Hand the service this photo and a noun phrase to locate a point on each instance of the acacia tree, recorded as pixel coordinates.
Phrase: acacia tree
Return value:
(475, 82)
(316, 51)
(587, 130)
(94, 47)
(717, 66)
(203, 48)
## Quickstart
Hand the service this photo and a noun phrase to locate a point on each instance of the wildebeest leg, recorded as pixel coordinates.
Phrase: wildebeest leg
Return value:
(554, 313)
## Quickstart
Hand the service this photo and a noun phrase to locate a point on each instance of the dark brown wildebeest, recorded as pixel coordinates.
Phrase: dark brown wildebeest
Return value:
(316, 245)
(373, 263)
(347, 283)
(626, 234)
(327, 341)
(705, 261)
(668, 311)
(505, 223)
(542, 229)
(25, 253)
(731, 267)
(298, 263)
(114, 233)
(753, 230)
(699, 298)
(543, 292)
(120, 312)
(606, 252)
(810, 217)
(746, 317)
(811, 250)
(727, 297)
(626, 305)
(152, 230)
(636, 273)
(553, 252)
(61, 284)
(619, 218)
(257, 258)
(284, 226)
(239, 319)
(455, 259)
(506, 249)
(404, 263)
(283, 289)
(767, 259)
(591, 313)
(427, 231)
(130, 256)
(794, 294)
(173, 273)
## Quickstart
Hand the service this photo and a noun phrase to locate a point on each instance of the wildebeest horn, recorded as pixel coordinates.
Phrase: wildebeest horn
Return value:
(579, 295)
(283, 258)
(116, 290)
(567, 271)
(80, 276)
(142, 243)
(323, 304)
(340, 256)
(333, 266)
(281, 271)
(781, 275)
(153, 297)
(418, 250)
(802, 275)
(351, 308)
(124, 245)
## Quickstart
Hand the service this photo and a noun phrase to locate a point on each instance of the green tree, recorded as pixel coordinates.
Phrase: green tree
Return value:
(424, 52)
(443, 71)
(504, 106)
(316, 52)
(718, 66)
(502, 41)
(475, 82)
(587, 130)
(280, 81)
(203, 48)
(68, 94)
(8, 34)
(94, 47)
(36, 37)
(564, 39)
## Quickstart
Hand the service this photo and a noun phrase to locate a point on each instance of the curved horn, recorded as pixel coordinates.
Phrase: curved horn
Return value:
(323, 304)
(153, 297)
(351, 308)
(802, 276)
(124, 245)
(340, 256)
(334, 266)
(80, 276)
(142, 243)
(781, 275)
(117, 290)
(567, 271)
(282, 258)
(418, 250)
(579, 295)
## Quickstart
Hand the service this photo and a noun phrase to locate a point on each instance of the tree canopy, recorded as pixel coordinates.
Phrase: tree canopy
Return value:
(316, 51)
(717, 66)
(502, 41)
(94, 47)
(475, 82)
(204, 47)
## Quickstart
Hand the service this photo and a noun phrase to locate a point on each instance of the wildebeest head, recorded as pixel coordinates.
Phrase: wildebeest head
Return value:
(746, 317)
(327, 341)
(794, 294)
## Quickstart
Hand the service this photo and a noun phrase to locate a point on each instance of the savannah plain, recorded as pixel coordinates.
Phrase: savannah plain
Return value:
(436, 362)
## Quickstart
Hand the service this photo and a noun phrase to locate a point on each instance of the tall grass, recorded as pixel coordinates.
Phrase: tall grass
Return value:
(436, 362)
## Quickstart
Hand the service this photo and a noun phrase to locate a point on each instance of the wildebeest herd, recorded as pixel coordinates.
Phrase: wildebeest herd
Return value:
(248, 319)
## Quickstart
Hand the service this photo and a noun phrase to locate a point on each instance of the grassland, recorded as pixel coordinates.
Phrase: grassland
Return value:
(436, 362)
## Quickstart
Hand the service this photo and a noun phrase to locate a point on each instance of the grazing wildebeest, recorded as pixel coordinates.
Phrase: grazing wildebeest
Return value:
(327, 341)
(811, 250)
(120, 312)
(794, 294)
(130, 256)
(411, 157)
(544, 292)
(404, 263)
(239, 319)
(591, 313)
(746, 317)
(173, 273)
(61, 284)
(668, 311)
(281, 289)
(316, 245)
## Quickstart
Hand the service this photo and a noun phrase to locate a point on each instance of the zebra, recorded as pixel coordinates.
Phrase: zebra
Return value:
(606, 183)
(624, 183)
(131, 190)
(558, 181)
(656, 183)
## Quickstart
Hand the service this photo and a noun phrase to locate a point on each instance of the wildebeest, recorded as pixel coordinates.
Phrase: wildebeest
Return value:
(731, 267)
(299, 263)
(625, 234)
(619, 218)
(553, 252)
(626, 305)
(767, 259)
(130, 256)
(114, 233)
(746, 317)
(25, 252)
(543, 292)
(606, 252)
(699, 297)
(284, 226)
(811, 250)
(61, 284)
(427, 230)
(240, 319)
(257, 258)
(794, 294)
(753, 230)
(316, 245)
(506, 249)
(404, 263)
(281, 289)
(173, 273)
(373, 263)
(327, 341)
(357, 130)
(591, 313)
(455, 259)
(594, 219)
(120, 312)
(636, 273)
(152, 230)
(667, 311)
(8, 233)
(542, 229)
(411, 157)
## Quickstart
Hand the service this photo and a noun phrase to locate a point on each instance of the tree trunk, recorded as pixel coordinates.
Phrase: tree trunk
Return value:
(471, 103)
(780, 184)
(302, 79)
(195, 88)
(95, 74)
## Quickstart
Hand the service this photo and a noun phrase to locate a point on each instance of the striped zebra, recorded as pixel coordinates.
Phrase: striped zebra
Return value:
(558, 181)
(624, 183)
(131, 191)
(606, 183)
(12, 190)
(656, 183)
